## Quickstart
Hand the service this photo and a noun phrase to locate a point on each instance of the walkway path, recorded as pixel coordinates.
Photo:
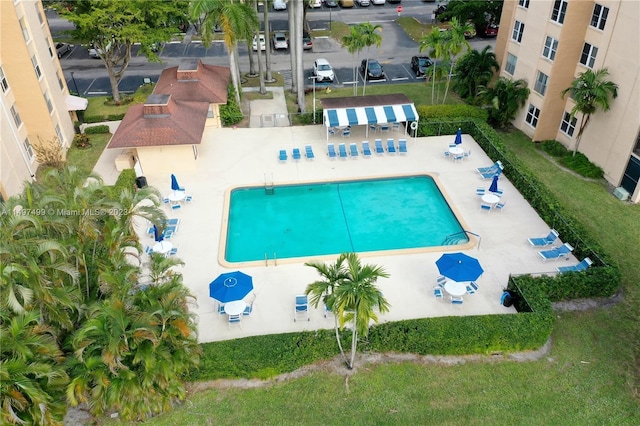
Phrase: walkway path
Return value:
(268, 112)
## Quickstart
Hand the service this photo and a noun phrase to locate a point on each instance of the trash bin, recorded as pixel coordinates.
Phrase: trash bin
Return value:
(506, 299)
(141, 181)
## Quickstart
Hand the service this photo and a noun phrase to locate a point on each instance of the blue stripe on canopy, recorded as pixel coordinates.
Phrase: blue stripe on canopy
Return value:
(332, 115)
(408, 111)
(353, 117)
(371, 115)
(391, 117)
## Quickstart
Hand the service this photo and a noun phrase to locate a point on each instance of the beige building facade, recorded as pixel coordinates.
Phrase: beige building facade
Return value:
(33, 95)
(549, 43)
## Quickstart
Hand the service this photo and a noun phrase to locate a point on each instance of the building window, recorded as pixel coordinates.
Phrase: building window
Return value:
(599, 18)
(60, 80)
(28, 148)
(533, 113)
(510, 67)
(541, 83)
(588, 57)
(518, 30)
(524, 3)
(25, 33)
(568, 125)
(40, 19)
(16, 116)
(47, 99)
(36, 66)
(46, 40)
(559, 10)
(60, 135)
(550, 48)
(3, 81)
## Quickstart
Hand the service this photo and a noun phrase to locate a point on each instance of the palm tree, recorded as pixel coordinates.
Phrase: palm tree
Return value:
(32, 378)
(455, 42)
(357, 299)
(263, 87)
(435, 41)
(236, 19)
(323, 290)
(504, 99)
(473, 70)
(370, 36)
(354, 42)
(590, 92)
(299, 22)
(267, 47)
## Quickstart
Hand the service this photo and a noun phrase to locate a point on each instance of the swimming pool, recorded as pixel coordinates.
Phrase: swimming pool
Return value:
(323, 218)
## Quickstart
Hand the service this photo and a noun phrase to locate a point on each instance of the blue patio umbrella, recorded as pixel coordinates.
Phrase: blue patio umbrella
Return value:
(459, 267)
(458, 140)
(230, 286)
(157, 235)
(174, 184)
(494, 183)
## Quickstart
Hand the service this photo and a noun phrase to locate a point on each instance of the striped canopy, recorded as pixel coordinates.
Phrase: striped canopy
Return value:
(339, 117)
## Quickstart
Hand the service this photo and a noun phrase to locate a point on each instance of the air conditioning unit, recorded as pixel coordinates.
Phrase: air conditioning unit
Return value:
(621, 194)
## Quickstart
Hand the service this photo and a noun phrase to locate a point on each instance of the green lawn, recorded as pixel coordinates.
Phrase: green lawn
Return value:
(98, 105)
(85, 159)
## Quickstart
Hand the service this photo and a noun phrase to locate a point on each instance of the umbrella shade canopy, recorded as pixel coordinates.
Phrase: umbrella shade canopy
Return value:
(157, 235)
(459, 267)
(230, 286)
(458, 140)
(174, 183)
(494, 183)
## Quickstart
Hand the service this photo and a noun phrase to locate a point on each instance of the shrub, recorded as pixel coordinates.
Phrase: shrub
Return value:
(554, 148)
(580, 164)
(127, 179)
(81, 140)
(115, 117)
(97, 129)
(49, 152)
(451, 111)
(94, 118)
(230, 113)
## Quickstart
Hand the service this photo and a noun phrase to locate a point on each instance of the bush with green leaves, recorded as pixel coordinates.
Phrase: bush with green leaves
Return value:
(97, 129)
(230, 113)
(580, 164)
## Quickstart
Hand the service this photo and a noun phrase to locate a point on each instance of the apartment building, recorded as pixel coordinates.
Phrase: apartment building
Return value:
(34, 96)
(548, 43)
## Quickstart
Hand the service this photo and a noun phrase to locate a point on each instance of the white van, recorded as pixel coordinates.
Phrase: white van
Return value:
(279, 5)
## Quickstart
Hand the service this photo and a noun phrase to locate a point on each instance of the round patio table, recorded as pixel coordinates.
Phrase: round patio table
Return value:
(455, 288)
(490, 198)
(162, 247)
(235, 307)
(176, 196)
(456, 150)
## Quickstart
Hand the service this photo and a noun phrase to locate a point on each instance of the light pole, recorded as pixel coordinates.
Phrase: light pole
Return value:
(314, 98)
(74, 83)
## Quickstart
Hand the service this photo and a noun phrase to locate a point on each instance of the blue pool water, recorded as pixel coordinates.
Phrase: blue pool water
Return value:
(336, 217)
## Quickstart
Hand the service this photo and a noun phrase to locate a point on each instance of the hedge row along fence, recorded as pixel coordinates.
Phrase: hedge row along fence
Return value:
(266, 356)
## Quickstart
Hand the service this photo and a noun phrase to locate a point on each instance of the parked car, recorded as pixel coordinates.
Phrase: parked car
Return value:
(472, 33)
(419, 64)
(491, 30)
(378, 2)
(315, 4)
(279, 5)
(346, 3)
(363, 3)
(62, 48)
(96, 53)
(331, 3)
(322, 70)
(373, 71)
(280, 41)
(306, 41)
(263, 43)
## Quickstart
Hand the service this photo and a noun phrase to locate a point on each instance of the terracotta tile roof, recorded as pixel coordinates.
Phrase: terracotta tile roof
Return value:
(161, 121)
(365, 101)
(194, 81)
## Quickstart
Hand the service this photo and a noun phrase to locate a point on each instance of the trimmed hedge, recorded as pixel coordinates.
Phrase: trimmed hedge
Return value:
(579, 163)
(97, 129)
(427, 112)
(127, 179)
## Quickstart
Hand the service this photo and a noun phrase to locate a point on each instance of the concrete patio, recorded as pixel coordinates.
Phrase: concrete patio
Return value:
(237, 157)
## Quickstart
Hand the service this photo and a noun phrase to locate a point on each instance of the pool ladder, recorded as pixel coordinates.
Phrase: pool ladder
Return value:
(266, 259)
(269, 188)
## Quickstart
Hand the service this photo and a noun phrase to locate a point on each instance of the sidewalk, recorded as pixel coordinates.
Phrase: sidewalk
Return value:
(268, 112)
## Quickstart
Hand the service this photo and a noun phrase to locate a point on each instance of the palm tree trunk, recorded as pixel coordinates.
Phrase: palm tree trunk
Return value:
(344, 356)
(293, 47)
(366, 71)
(267, 46)
(234, 73)
(300, 71)
(252, 63)
(354, 344)
(433, 83)
(446, 90)
(583, 124)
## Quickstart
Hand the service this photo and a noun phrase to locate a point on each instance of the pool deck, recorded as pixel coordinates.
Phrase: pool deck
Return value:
(236, 157)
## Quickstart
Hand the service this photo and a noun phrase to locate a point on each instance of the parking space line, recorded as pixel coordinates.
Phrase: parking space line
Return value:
(400, 79)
